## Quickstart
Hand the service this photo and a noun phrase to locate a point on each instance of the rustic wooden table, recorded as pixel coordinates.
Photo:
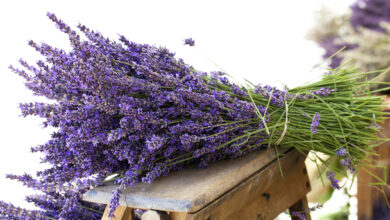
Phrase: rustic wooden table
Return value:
(250, 187)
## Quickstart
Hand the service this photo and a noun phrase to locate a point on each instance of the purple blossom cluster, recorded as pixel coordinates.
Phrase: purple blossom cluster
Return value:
(130, 109)
(334, 183)
(301, 215)
(10, 211)
(115, 200)
(365, 13)
(331, 48)
(369, 14)
(190, 42)
(278, 97)
(133, 110)
(315, 123)
(341, 152)
(346, 161)
(57, 201)
(316, 207)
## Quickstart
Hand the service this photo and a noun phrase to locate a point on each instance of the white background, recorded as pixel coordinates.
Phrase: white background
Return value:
(263, 41)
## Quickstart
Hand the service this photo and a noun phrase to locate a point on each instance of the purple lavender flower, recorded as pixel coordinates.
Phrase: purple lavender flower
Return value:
(69, 206)
(314, 208)
(138, 213)
(9, 211)
(159, 170)
(190, 42)
(154, 143)
(315, 122)
(239, 91)
(346, 162)
(114, 202)
(369, 14)
(334, 182)
(323, 91)
(365, 13)
(341, 152)
(276, 96)
(300, 215)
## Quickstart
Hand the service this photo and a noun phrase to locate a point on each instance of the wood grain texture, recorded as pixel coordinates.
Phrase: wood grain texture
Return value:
(364, 196)
(262, 196)
(178, 215)
(191, 189)
(121, 213)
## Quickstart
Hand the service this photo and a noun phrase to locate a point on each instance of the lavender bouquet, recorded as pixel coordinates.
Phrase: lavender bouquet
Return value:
(128, 112)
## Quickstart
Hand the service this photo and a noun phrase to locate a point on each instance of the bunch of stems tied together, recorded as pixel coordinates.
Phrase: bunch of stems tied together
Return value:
(127, 113)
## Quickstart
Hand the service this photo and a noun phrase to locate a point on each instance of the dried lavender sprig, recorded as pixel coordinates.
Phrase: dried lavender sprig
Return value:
(9, 211)
(114, 202)
(315, 123)
(301, 215)
(190, 42)
(341, 152)
(334, 182)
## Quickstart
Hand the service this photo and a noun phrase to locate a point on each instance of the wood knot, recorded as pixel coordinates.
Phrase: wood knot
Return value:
(267, 196)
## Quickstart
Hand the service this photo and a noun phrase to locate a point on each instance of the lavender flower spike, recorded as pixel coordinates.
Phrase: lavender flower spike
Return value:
(190, 42)
(300, 215)
(314, 208)
(334, 182)
(346, 162)
(315, 123)
(114, 202)
(341, 152)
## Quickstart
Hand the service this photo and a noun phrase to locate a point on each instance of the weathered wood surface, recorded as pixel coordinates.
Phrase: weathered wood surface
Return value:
(264, 195)
(193, 188)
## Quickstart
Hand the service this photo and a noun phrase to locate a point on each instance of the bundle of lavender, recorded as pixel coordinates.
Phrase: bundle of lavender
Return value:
(127, 112)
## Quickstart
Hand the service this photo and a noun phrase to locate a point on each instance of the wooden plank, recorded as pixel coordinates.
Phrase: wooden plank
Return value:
(121, 213)
(368, 195)
(364, 195)
(263, 195)
(188, 190)
(178, 215)
(283, 194)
